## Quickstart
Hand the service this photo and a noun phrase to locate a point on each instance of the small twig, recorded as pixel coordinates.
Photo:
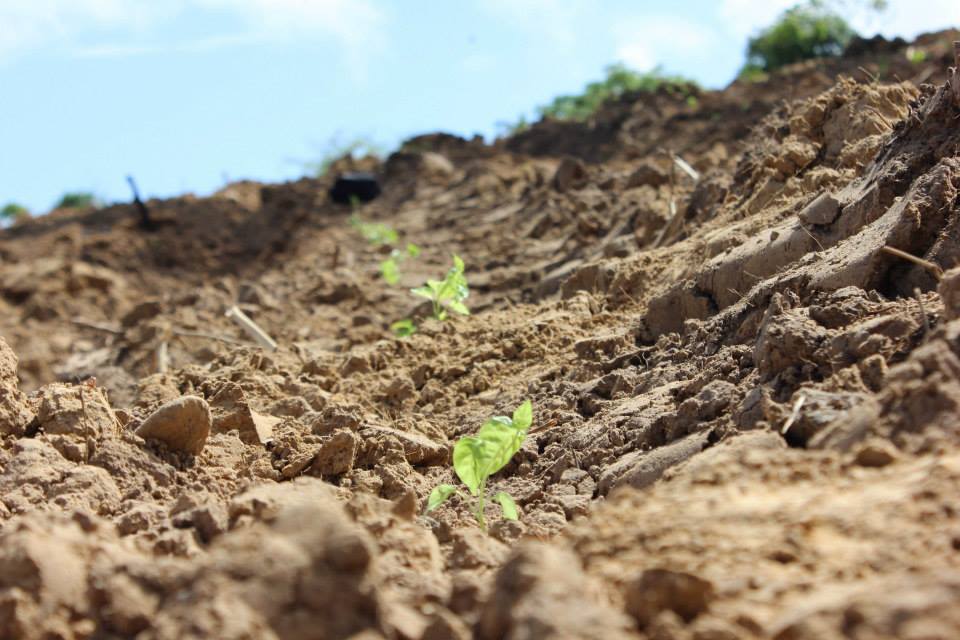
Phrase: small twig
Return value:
(874, 77)
(97, 327)
(669, 227)
(209, 336)
(933, 268)
(877, 113)
(163, 357)
(794, 414)
(145, 220)
(549, 424)
(690, 171)
(252, 328)
(812, 237)
(740, 296)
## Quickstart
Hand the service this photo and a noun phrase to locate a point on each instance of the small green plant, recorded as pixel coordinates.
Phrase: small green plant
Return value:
(403, 328)
(337, 149)
(619, 80)
(915, 55)
(476, 458)
(390, 268)
(376, 233)
(806, 31)
(77, 200)
(447, 294)
(12, 212)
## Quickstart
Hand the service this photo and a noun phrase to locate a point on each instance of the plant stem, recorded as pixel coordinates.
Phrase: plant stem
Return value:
(480, 506)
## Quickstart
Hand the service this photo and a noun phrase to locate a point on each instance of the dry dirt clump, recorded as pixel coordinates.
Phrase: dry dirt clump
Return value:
(745, 386)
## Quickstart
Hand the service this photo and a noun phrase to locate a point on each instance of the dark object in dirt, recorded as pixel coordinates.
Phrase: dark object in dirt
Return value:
(362, 186)
(145, 221)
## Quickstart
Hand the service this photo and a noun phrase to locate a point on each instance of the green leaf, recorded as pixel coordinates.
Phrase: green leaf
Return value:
(468, 462)
(459, 307)
(390, 271)
(458, 264)
(507, 505)
(439, 495)
(423, 292)
(523, 416)
(403, 328)
(500, 440)
(413, 250)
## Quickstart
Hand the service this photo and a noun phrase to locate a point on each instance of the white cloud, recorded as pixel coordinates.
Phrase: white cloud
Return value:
(353, 22)
(905, 18)
(645, 43)
(908, 18)
(744, 18)
(357, 26)
(556, 19)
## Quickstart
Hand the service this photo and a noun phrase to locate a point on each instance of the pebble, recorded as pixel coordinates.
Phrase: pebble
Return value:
(182, 424)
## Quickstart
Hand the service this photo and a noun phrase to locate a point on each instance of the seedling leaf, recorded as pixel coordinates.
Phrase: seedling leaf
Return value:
(413, 250)
(523, 416)
(390, 271)
(439, 495)
(507, 505)
(447, 294)
(403, 328)
(468, 458)
(459, 307)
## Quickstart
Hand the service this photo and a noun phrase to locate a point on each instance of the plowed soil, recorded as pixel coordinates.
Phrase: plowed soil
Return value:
(746, 384)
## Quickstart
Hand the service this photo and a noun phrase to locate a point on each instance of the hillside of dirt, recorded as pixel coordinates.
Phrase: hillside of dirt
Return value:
(745, 380)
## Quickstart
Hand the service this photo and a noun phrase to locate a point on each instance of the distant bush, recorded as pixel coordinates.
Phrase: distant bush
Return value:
(12, 212)
(619, 80)
(804, 32)
(336, 149)
(77, 200)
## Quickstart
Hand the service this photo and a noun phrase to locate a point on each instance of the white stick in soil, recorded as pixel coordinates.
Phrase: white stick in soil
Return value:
(687, 169)
(253, 330)
(163, 358)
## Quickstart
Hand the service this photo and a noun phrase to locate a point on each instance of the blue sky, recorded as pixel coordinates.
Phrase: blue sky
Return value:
(185, 94)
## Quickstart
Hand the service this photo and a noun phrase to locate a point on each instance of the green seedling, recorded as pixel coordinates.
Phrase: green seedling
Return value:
(390, 268)
(376, 233)
(403, 328)
(476, 458)
(447, 294)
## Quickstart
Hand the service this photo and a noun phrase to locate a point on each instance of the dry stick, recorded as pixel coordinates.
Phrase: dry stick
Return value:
(163, 357)
(97, 327)
(877, 113)
(812, 237)
(690, 171)
(794, 414)
(209, 336)
(933, 268)
(549, 424)
(177, 332)
(669, 227)
(252, 328)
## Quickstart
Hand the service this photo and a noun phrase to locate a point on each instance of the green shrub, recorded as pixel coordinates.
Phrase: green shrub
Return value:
(12, 212)
(77, 200)
(619, 80)
(337, 149)
(804, 32)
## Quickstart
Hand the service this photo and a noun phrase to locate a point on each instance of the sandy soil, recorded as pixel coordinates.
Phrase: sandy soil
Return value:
(746, 406)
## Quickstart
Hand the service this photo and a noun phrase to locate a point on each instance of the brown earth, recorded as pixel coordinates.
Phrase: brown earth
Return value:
(745, 414)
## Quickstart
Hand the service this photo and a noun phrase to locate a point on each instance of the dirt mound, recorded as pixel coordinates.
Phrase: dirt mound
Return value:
(745, 379)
